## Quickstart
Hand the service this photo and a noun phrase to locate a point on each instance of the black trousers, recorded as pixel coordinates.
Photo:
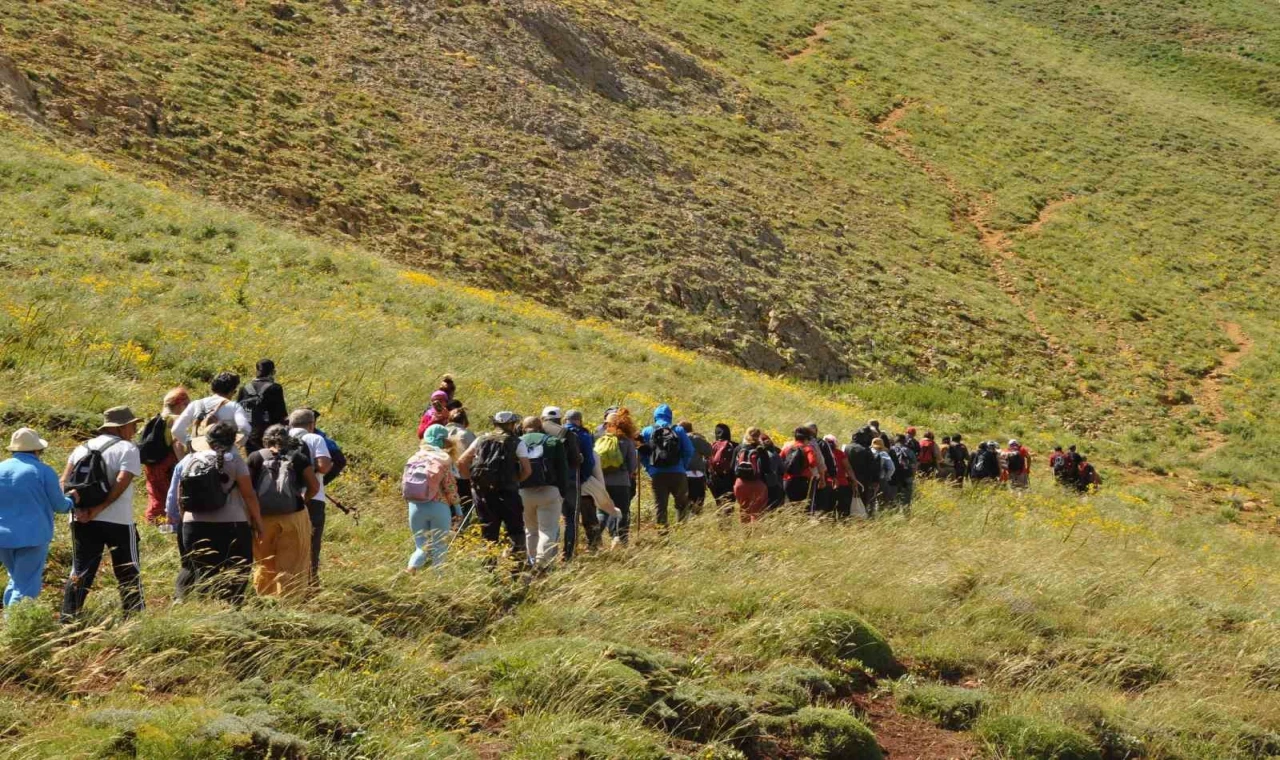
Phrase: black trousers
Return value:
(498, 509)
(620, 526)
(824, 499)
(798, 490)
(844, 500)
(88, 541)
(697, 494)
(574, 509)
(216, 559)
(315, 510)
(721, 487)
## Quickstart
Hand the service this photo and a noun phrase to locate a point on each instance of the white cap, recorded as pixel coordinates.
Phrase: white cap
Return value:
(551, 413)
(1013, 441)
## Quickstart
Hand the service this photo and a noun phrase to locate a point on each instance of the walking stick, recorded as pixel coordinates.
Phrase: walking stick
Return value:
(352, 512)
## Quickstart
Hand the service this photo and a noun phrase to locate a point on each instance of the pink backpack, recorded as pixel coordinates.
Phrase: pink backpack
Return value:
(424, 477)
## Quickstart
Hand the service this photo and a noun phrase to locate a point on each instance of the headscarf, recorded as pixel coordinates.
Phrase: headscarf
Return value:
(437, 435)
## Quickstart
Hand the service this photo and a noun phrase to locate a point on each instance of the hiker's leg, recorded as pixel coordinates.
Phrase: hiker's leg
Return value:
(436, 526)
(265, 553)
(87, 545)
(661, 495)
(293, 555)
(487, 510)
(680, 491)
(123, 542)
(569, 509)
(189, 572)
(697, 488)
(25, 565)
(513, 520)
(239, 563)
(316, 510)
(418, 518)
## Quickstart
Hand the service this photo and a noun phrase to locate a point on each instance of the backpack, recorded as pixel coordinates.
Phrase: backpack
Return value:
(201, 484)
(540, 468)
(251, 400)
(422, 478)
(495, 466)
(1016, 462)
(610, 453)
(153, 446)
(796, 462)
(828, 457)
(205, 420)
(747, 466)
(959, 456)
(928, 452)
(277, 485)
(722, 459)
(664, 442)
(904, 464)
(338, 460)
(90, 478)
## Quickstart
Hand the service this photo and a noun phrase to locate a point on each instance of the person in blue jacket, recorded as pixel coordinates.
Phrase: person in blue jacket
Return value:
(29, 496)
(590, 521)
(665, 453)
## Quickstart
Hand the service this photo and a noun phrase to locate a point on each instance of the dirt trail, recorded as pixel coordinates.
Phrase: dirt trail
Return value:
(906, 738)
(995, 242)
(1209, 398)
(820, 33)
(1047, 213)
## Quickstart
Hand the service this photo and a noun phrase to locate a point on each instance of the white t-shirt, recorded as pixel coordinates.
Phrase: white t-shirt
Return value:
(230, 411)
(122, 456)
(318, 448)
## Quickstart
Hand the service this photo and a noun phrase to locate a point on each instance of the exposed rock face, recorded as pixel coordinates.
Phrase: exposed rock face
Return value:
(16, 92)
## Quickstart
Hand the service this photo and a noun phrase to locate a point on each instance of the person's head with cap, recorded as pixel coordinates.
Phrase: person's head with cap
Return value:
(551, 414)
(119, 421)
(1013, 443)
(27, 441)
(303, 418)
(911, 431)
(573, 417)
(266, 369)
(435, 436)
(507, 421)
(222, 437)
(224, 384)
(531, 424)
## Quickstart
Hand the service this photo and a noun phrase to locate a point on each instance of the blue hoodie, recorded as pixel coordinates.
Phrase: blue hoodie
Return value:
(662, 416)
(29, 496)
(587, 445)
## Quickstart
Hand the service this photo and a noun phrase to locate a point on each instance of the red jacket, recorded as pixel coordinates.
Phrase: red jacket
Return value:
(810, 456)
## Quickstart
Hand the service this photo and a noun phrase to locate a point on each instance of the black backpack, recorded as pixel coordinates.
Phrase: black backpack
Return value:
(828, 457)
(796, 462)
(89, 477)
(748, 465)
(251, 400)
(153, 446)
(539, 466)
(1016, 462)
(664, 442)
(495, 466)
(959, 454)
(201, 488)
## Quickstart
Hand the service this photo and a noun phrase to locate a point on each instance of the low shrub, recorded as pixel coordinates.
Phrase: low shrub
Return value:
(786, 689)
(550, 736)
(708, 713)
(26, 638)
(192, 733)
(832, 637)
(826, 734)
(1026, 738)
(950, 707)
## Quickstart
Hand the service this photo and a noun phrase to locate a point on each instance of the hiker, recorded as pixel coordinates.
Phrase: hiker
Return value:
(773, 473)
(263, 401)
(203, 414)
(1071, 467)
(541, 492)
(429, 488)
(845, 481)
(876, 432)
(159, 455)
(1017, 464)
(337, 460)
(665, 452)
(101, 471)
(929, 456)
(824, 491)
(285, 482)
(619, 469)
(958, 455)
(888, 489)
(437, 412)
(866, 468)
(450, 389)
(750, 489)
(912, 442)
(946, 468)
(585, 444)
(800, 468)
(460, 439)
(1087, 478)
(302, 426)
(30, 494)
(696, 472)
(1058, 464)
(552, 424)
(496, 464)
(904, 473)
(720, 466)
(986, 464)
(220, 516)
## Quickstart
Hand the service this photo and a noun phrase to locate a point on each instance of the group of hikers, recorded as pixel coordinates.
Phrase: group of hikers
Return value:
(241, 483)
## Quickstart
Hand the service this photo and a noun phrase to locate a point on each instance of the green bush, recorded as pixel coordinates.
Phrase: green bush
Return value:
(827, 734)
(834, 636)
(1026, 738)
(707, 713)
(789, 688)
(26, 638)
(551, 736)
(192, 733)
(950, 707)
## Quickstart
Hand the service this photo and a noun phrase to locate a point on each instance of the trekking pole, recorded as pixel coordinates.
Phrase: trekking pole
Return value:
(461, 526)
(353, 513)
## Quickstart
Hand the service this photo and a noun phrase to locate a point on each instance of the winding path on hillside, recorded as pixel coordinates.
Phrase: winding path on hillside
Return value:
(820, 33)
(1209, 399)
(994, 241)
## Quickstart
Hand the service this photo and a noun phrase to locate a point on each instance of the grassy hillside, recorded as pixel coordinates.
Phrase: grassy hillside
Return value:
(1066, 208)
(1135, 623)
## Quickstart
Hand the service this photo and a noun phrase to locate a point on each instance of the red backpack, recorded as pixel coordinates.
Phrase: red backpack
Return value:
(928, 451)
(721, 462)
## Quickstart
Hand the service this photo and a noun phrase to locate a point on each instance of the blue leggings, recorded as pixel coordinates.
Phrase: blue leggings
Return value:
(429, 522)
(26, 572)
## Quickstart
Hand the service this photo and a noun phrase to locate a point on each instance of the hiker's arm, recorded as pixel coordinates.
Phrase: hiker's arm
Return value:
(313, 484)
(171, 499)
(122, 482)
(323, 465)
(242, 421)
(66, 475)
(59, 501)
(464, 462)
(181, 424)
(251, 508)
(526, 469)
(276, 407)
